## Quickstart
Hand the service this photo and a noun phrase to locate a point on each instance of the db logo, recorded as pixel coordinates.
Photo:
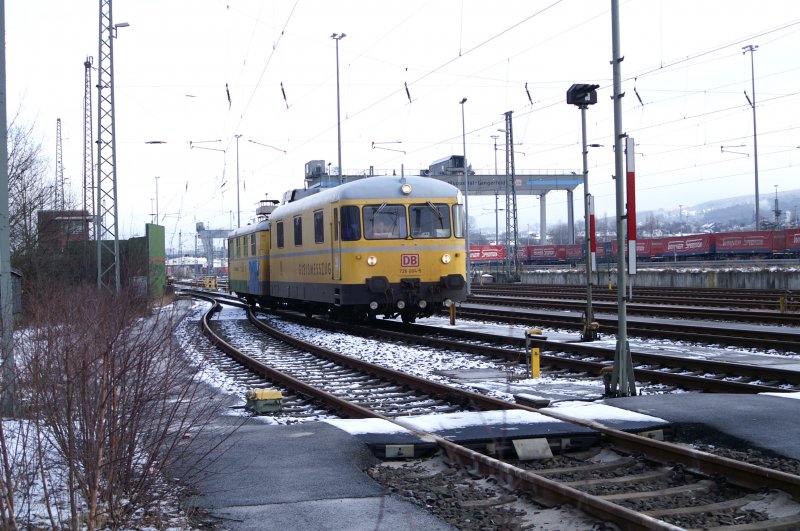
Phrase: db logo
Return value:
(409, 260)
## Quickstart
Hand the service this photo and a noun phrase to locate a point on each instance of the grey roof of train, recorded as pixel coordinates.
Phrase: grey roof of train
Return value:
(365, 189)
(421, 187)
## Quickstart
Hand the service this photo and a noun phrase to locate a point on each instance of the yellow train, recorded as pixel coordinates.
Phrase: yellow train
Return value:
(390, 246)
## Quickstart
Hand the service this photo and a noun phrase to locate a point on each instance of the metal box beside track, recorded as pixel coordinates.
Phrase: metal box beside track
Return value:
(261, 401)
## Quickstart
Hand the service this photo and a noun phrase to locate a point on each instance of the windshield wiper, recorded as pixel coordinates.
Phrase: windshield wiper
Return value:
(438, 213)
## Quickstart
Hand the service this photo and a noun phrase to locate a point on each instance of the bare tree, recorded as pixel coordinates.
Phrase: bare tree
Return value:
(114, 397)
(29, 190)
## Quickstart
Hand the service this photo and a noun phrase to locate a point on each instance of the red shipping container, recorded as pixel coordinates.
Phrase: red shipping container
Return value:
(792, 240)
(487, 253)
(754, 242)
(643, 248)
(573, 251)
(547, 252)
(692, 245)
(601, 251)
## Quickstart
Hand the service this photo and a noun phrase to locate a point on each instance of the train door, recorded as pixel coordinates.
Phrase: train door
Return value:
(336, 246)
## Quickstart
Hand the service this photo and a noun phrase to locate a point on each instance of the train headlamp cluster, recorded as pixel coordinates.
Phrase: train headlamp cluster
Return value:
(445, 258)
(372, 260)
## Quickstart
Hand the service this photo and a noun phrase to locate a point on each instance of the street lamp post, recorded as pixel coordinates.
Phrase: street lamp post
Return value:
(496, 218)
(466, 195)
(337, 37)
(238, 208)
(583, 95)
(157, 178)
(750, 48)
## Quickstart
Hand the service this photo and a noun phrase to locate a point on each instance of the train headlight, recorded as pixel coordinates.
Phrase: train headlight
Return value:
(445, 258)
(423, 304)
(373, 305)
(401, 305)
(406, 188)
(372, 260)
(447, 303)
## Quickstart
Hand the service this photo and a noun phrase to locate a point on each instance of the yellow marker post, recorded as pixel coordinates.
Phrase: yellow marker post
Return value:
(452, 315)
(782, 304)
(535, 362)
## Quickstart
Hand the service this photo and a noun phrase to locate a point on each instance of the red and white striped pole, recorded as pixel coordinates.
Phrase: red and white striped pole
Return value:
(592, 234)
(631, 203)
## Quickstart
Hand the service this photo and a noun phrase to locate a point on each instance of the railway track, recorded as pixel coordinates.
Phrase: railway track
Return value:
(681, 372)
(307, 369)
(772, 317)
(706, 297)
(781, 339)
(548, 487)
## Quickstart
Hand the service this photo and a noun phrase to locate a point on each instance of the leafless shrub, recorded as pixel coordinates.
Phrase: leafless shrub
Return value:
(104, 386)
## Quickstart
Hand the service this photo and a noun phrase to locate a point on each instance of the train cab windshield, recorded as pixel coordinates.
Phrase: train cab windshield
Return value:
(429, 220)
(393, 221)
(385, 221)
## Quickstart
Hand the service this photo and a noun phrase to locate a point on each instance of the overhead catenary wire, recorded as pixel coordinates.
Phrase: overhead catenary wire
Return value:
(531, 111)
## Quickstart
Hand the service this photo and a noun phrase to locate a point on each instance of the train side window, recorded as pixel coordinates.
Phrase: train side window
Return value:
(459, 221)
(319, 227)
(298, 230)
(253, 244)
(237, 247)
(279, 234)
(429, 220)
(351, 226)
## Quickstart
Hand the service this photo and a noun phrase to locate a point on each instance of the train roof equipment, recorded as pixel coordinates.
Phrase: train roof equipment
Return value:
(378, 187)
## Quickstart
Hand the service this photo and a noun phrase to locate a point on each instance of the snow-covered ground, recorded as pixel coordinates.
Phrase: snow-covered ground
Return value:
(20, 435)
(468, 370)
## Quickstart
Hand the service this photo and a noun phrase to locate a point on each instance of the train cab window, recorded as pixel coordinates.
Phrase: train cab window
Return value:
(429, 220)
(319, 227)
(253, 244)
(279, 234)
(385, 221)
(298, 231)
(459, 221)
(351, 226)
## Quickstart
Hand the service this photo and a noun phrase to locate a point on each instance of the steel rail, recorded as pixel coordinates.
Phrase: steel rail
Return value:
(412, 335)
(545, 490)
(683, 312)
(671, 330)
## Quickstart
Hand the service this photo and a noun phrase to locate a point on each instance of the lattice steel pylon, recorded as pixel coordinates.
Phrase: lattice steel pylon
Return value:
(106, 228)
(512, 238)
(88, 148)
(58, 199)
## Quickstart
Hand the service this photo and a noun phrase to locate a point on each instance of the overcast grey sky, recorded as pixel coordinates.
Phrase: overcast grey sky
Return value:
(685, 77)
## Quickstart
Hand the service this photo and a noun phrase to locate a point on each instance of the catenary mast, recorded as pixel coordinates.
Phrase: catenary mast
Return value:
(88, 148)
(106, 227)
